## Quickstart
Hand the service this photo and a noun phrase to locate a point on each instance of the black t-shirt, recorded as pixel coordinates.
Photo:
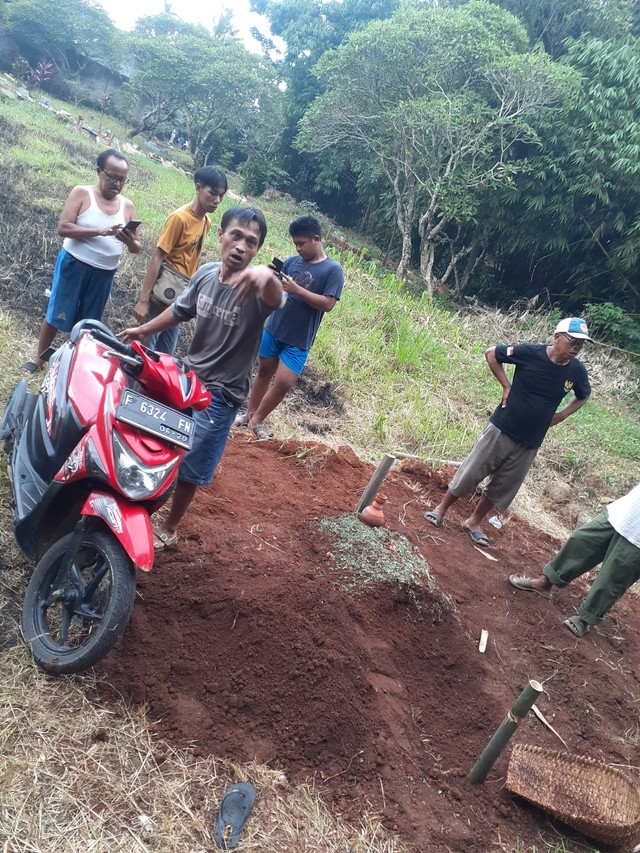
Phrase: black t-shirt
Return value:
(536, 391)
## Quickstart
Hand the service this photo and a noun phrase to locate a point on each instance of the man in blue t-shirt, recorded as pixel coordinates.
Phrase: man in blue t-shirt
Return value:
(313, 284)
(509, 442)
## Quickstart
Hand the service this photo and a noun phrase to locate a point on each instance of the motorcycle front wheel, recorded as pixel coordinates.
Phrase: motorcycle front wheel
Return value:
(72, 617)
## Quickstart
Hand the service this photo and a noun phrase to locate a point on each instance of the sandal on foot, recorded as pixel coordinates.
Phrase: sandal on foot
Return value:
(577, 626)
(260, 431)
(32, 367)
(477, 537)
(163, 540)
(242, 420)
(524, 583)
(434, 518)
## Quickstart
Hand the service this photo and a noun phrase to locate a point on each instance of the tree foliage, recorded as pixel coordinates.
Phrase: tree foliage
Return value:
(572, 222)
(440, 100)
(68, 31)
(552, 22)
(216, 90)
(494, 144)
(309, 30)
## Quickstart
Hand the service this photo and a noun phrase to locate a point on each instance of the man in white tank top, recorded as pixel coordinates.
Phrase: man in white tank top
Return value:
(92, 224)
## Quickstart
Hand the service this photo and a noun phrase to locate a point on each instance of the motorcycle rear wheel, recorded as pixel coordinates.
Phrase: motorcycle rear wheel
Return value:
(71, 619)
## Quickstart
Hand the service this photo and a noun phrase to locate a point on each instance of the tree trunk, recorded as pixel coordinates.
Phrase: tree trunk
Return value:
(427, 258)
(405, 258)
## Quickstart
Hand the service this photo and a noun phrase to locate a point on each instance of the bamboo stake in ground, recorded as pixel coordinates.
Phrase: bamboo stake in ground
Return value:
(507, 727)
(376, 481)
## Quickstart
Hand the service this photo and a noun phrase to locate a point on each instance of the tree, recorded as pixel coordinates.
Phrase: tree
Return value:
(440, 99)
(572, 223)
(553, 22)
(67, 31)
(309, 29)
(163, 77)
(215, 89)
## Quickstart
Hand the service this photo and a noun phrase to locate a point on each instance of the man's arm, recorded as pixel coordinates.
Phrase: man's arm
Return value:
(67, 226)
(499, 372)
(141, 308)
(572, 406)
(316, 300)
(129, 238)
(163, 321)
(262, 280)
(270, 288)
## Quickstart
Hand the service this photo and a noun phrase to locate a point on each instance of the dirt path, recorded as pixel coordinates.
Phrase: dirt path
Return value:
(244, 646)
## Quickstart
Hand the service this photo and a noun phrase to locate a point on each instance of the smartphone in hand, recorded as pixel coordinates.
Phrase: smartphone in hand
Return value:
(276, 263)
(131, 225)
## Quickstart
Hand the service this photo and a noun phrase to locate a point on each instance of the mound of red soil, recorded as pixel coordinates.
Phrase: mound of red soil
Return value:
(245, 647)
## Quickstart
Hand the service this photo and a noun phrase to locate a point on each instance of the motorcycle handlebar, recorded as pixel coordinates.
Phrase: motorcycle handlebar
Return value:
(132, 361)
(113, 343)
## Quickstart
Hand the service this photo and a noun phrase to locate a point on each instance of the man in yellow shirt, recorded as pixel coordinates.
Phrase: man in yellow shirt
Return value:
(180, 246)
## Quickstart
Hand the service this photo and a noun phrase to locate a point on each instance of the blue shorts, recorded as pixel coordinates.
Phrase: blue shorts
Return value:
(79, 292)
(292, 357)
(212, 431)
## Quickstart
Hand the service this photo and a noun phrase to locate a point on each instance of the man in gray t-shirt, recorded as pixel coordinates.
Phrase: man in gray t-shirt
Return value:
(230, 302)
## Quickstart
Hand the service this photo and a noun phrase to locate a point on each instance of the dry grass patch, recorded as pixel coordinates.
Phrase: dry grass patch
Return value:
(80, 776)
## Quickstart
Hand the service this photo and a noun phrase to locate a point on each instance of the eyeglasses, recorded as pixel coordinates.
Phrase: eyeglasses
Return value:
(115, 179)
(578, 341)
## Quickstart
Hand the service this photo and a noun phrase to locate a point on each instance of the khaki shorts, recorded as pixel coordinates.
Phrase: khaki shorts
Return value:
(495, 455)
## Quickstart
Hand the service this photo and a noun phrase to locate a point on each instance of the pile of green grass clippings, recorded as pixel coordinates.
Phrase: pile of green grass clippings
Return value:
(364, 556)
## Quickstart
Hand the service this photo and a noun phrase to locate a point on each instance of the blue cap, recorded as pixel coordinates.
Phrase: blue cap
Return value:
(574, 326)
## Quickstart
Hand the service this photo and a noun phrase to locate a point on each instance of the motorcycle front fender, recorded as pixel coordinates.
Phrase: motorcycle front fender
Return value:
(129, 523)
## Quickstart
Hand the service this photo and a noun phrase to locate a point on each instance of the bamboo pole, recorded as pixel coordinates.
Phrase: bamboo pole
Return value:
(375, 482)
(507, 727)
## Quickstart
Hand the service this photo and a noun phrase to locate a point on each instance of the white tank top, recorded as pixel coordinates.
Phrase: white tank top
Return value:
(100, 252)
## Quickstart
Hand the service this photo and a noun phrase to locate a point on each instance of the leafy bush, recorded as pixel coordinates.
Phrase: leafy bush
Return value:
(610, 323)
(21, 69)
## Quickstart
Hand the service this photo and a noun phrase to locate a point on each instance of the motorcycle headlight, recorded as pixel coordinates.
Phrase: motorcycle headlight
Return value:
(137, 480)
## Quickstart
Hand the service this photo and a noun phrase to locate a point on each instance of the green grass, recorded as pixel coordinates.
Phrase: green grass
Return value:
(613, 433)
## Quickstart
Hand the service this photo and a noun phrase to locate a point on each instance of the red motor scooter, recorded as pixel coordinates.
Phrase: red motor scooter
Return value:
(91, 457)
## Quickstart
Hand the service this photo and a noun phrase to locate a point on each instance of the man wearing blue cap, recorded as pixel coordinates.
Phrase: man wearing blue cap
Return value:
(509, 442)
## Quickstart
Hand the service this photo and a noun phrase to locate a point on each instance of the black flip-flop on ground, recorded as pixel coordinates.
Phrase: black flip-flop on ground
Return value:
(434, 518)
(31, 367)
(235, 808)
(477, 537)
(577, 627)
(524, 583)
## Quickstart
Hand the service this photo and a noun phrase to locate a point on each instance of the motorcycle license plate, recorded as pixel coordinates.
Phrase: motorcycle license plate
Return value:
(154, 418)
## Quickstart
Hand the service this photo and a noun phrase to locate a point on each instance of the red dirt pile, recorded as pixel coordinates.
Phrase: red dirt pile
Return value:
(245, 646)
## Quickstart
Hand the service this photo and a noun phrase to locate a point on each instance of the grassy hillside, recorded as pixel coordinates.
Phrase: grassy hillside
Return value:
(405, 374)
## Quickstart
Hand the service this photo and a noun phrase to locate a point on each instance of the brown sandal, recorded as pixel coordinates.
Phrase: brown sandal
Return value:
(260, 431)
(163, 540)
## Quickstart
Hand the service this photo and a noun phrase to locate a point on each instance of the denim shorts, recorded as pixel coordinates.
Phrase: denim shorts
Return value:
(213, 426)
(166, 341)
(292, 357)
(79, 291)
